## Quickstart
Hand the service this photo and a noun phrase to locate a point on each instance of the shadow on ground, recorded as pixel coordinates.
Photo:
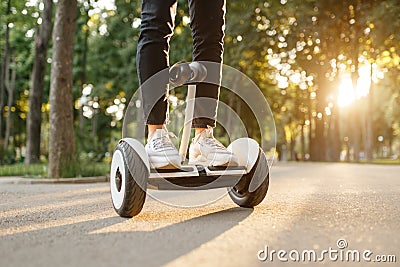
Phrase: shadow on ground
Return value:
(91, 243)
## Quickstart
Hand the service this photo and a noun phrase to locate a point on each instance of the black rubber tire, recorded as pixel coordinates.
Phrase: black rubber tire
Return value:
(135, 182)
(240, 192)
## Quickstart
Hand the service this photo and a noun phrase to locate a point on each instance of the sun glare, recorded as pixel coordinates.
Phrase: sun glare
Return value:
(347, 95)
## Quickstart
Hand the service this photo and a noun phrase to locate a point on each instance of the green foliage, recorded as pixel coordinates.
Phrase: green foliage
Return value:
(22, 170)
(87, 169)
(84, 168)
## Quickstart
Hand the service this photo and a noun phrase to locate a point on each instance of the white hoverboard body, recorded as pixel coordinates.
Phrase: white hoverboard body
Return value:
(131, 173)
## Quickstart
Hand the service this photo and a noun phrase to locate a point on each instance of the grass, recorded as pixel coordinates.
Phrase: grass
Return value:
(384, 161)
(19, 169)
(381, 161)
(95, 169)
(40, 170)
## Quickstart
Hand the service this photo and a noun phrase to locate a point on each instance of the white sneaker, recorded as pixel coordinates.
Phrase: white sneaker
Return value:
(162, 152)
(207, 151)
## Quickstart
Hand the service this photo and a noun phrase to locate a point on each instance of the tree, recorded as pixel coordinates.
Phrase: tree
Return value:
(5, 65)
(62, 140)
(33, 124)
(10, 87)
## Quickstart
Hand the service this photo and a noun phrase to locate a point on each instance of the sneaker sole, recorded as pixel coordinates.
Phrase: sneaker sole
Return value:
(200, 160)
(168, 167)
(173, 163)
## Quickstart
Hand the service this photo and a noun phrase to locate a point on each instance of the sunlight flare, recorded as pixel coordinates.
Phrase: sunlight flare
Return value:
(346, 94)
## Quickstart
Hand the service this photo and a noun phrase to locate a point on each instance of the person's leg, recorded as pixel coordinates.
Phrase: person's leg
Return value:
(152, 57)
(208, 25)
(156, 29)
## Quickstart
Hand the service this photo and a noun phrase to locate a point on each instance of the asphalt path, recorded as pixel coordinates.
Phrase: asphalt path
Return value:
(310, 208)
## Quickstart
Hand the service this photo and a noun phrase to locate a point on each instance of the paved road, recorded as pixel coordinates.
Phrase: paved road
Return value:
(310, 206)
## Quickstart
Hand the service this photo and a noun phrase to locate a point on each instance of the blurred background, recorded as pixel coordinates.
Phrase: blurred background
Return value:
(328, 69)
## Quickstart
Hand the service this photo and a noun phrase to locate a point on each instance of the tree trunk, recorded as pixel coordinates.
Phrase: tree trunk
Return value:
(33, 122)
(10, 92)
(62, 140)
(310, 129)
(4, 70)
(355, 115)
(369, 140)
(319, 140)
(82, 78)
(334, 136)
(355, 131)
(293, 152)
(335, 147)
(303, 142)
(319, 143)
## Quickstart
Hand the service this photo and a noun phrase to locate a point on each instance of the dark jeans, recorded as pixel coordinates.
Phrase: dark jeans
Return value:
(207, 25)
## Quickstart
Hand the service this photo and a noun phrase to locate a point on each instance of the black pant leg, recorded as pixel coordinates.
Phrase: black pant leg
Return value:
(156, 29)
(208, 25)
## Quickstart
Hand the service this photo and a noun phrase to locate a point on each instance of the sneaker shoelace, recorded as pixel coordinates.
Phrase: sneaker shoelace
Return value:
(214, 143)
(162, 143)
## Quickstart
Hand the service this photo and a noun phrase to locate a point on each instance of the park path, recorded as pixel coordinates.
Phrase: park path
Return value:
(310, 206)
